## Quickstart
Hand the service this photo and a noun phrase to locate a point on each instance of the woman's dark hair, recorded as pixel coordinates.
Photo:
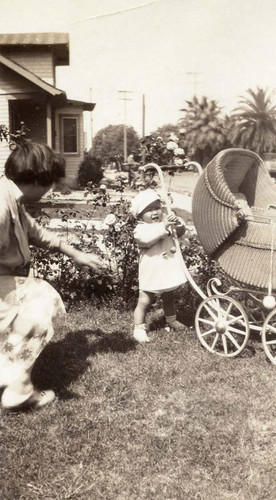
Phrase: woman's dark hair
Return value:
(33, 163)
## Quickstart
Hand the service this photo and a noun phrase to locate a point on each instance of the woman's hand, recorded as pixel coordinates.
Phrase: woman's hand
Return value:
(87, 259)
(82, 258)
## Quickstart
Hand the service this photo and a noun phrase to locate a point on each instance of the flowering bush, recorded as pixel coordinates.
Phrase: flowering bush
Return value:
(14, 138)
(113, 241)
(164, 152)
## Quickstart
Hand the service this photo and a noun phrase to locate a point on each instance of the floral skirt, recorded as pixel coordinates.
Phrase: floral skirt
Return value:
(27, 308)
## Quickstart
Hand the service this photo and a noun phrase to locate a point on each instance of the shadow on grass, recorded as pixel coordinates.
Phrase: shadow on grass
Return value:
(65, 361)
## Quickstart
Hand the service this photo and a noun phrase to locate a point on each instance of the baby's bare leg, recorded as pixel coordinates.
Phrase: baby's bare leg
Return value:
(144, 301)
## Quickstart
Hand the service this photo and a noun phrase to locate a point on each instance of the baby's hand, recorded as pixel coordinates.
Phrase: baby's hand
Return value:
(169, 220)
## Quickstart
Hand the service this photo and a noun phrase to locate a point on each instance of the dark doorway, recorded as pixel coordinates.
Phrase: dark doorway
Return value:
(33, 114)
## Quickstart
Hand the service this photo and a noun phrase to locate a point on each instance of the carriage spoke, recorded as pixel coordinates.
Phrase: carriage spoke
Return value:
(228, 310)
(224, 342)
(271, 342)
(236, 330)
(207, 321)
(208, 332)
(232, 339)
(271, 329)
(234, 320)
(210, 312)
(218, 309)
(215, 341)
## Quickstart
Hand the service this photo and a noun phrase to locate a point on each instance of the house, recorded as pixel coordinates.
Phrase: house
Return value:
(28, 94)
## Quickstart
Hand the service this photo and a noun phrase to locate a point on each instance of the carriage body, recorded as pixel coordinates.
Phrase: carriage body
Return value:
(234, 212)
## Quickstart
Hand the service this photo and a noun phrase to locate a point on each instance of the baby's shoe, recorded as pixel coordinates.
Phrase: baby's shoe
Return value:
(173, 325)
(140, 333)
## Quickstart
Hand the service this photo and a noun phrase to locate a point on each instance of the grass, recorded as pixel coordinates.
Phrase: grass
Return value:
(161, 421)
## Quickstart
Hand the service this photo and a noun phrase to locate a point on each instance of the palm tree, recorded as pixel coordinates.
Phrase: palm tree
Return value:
(254, 123)
(205, 129)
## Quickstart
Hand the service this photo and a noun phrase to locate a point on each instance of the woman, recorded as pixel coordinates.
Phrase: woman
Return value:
(27, 305)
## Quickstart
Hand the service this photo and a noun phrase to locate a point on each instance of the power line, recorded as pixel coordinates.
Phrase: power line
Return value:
(195, 81)
(125, 99)
(113, 13)
(91, 118)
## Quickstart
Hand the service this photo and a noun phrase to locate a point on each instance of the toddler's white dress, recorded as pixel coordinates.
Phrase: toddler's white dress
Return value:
(160, 267)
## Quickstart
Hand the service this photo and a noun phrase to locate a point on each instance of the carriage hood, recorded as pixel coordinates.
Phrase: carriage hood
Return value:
(239, 242)
(216, 207)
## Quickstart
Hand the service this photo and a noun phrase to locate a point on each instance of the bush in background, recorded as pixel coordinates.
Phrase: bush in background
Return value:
(90, 170)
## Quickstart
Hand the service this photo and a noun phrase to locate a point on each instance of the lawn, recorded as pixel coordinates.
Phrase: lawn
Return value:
(161, 421)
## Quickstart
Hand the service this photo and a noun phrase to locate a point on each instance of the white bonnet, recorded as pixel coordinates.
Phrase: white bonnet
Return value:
(143, 200)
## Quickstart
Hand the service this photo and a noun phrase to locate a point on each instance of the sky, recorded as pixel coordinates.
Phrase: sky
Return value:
(166, 50)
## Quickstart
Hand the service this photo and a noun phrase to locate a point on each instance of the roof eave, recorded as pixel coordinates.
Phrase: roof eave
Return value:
(86, 106)
(17, 68)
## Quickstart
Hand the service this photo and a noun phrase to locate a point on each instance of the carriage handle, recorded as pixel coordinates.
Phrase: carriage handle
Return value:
(174, 235)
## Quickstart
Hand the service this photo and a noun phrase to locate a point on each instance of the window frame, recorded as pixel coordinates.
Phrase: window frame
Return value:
(76, 117)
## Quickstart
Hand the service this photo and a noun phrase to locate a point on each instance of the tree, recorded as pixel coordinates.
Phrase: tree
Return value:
(254, 123)
(165, 131)
(205, 132)
(90, 170)
(109, 142)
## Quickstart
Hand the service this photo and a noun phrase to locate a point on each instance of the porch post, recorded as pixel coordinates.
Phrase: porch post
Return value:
(49, 123)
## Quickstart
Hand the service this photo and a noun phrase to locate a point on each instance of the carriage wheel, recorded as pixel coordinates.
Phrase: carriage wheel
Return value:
(269, 336)
(222, 325)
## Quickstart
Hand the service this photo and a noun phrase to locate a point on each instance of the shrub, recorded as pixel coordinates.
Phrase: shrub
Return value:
(19, 137)
(164, 152)
(118, 282)
(65, 190)
(90, 170)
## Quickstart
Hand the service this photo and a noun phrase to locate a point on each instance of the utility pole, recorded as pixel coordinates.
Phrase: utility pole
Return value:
(91, 118)
(143, 115)
(125, 99)
(194, 74)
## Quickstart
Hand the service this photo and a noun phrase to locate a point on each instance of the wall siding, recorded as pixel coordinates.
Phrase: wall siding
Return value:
(13, 86)
(72, 162)
(12, 83)
(4, 120)
(38, 61)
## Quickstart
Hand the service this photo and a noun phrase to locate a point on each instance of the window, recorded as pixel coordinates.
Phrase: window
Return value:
(69, 135)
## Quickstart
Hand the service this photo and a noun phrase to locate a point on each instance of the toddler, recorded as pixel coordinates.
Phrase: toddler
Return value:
(160, 271)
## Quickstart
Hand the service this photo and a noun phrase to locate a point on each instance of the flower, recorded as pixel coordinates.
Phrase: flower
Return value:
(179, 151)
(178, 161)
(171, 146)
(110, 220)
(173, 137)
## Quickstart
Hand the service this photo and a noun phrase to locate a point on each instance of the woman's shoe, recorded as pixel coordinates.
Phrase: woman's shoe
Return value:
(37, 399)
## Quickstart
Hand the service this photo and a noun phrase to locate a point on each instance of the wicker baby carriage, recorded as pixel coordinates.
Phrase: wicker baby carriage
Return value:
(234, 212)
